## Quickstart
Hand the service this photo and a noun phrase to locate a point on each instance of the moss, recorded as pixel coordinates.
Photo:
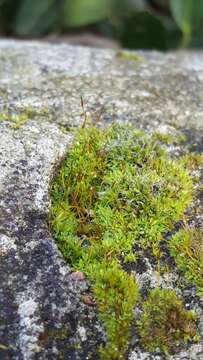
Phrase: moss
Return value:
(129, 56)
(116, 187)
(192, 161)
(169, 139)
(65, 129)
(187, 249)
(164, 323)
(33, 112)
(15, 121)
(57, 334)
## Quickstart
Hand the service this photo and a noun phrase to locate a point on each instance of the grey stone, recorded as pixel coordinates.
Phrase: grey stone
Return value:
(41, 313)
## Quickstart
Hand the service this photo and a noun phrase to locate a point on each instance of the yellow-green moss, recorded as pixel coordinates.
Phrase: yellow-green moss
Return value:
(15, 121)
(32, 112)
(187, 249)
(116, 187)
(164, 323)
(130, 56)
(169, 138)
(193, 160)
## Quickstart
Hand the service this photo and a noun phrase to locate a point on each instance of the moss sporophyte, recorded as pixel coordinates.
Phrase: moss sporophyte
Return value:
(117, 187)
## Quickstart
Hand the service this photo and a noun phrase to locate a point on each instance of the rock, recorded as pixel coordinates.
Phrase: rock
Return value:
(78, 276)
(40, 305)
(42, 315)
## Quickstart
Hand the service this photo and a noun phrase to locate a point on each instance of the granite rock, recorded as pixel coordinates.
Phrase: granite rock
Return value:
(41, 312)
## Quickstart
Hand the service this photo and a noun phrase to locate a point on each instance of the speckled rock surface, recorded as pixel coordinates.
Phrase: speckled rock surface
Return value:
(41, 312)
(41, 315)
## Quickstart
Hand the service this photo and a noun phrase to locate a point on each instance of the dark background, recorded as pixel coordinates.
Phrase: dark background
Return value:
(146, 24)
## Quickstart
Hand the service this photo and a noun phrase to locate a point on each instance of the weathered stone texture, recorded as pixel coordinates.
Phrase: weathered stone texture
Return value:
(41, 314)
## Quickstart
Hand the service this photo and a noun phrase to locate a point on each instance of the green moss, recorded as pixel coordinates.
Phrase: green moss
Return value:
(15, 121)
(164, 323)
(116, 294)
(33, 112)
(187, 249)
(116, 187)
(129, 56)
(192, 161)
(169, 138)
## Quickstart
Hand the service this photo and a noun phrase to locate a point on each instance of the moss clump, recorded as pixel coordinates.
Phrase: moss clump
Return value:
(15, 121)
(129, 56)
(117, 186)
(187, 249)
(193, 160)
(32, 112)
(169, 139)
(164, 323)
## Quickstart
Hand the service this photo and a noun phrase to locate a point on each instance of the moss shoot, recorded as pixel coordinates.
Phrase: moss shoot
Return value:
(187, 249)
(164, 323)
(116, 187)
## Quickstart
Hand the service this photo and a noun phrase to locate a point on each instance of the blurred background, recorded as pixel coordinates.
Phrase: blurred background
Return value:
(145, 24)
